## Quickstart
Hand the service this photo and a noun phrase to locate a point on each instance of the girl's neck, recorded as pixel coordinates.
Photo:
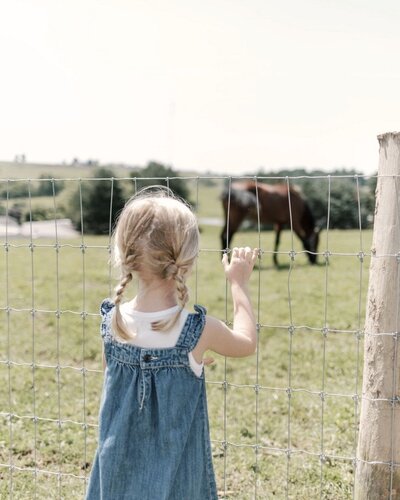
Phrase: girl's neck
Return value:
(155, 295)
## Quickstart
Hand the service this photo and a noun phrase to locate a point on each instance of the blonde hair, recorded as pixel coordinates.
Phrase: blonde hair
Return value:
(156, 236)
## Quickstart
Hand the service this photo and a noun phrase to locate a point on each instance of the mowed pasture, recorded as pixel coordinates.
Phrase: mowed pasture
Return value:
(283, 421)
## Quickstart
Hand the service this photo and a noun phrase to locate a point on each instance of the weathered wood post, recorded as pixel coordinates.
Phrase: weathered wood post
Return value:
(378, 454)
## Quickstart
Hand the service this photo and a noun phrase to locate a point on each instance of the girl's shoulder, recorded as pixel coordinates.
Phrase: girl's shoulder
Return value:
(106, 306)
(201, 310)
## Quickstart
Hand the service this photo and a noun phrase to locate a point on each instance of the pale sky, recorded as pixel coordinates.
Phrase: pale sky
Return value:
(221, 85)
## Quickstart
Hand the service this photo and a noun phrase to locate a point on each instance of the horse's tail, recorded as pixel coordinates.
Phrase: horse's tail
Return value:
(240, 197)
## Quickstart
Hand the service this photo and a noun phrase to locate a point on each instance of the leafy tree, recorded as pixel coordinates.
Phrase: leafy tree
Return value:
(15, 189)
(45, 187)
(96, 202)
(157, 174)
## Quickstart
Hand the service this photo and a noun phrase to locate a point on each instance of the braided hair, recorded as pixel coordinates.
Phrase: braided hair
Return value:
(156, 235)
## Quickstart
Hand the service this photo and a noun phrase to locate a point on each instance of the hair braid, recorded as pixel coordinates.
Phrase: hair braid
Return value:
(182, 296)
(181, 289)
(117, 320)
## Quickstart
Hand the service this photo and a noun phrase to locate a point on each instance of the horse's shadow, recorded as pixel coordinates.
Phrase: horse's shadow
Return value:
(286, 266)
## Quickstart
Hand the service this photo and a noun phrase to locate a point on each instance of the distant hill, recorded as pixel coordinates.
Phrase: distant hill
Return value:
(16, 170)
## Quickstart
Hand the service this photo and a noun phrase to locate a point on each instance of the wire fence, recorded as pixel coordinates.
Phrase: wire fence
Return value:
(284, 423)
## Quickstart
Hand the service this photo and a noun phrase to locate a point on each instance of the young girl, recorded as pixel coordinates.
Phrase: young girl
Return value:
(154, 439)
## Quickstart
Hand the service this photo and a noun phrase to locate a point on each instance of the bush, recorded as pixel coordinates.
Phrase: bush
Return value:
(40, 213)
(24, 188)
(147, 175)
(15, 189)
(96, 203)
(45, 187)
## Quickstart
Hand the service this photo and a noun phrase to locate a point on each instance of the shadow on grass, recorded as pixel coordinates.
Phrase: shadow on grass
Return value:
(286, 266)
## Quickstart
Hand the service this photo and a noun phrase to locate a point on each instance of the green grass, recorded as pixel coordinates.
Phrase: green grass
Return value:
(260, 424)
(254, 418)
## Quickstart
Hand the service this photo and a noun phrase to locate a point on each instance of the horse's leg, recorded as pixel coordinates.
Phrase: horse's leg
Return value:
(224, 232)
(224, 237)
(278, 230)
(300, 234)
(236, 217)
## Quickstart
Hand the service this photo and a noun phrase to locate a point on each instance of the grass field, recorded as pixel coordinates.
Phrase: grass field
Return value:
(283, 422)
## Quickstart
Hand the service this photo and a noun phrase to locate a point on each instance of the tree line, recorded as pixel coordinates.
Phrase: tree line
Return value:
(344, 198)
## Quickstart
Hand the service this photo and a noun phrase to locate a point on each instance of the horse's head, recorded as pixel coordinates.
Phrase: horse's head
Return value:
(312, 245)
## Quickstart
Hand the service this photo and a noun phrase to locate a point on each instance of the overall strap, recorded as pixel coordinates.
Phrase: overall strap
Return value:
(192, 329)
(106, 309)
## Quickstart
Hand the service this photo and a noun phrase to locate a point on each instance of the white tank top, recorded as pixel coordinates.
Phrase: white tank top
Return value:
(139, 323)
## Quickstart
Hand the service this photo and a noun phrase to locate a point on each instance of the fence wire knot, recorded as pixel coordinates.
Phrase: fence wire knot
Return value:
(359, 334)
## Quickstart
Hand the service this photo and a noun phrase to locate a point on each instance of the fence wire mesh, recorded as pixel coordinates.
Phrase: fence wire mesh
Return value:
(284, 423)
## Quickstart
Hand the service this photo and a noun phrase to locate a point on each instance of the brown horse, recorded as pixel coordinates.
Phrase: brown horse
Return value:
(276, 205)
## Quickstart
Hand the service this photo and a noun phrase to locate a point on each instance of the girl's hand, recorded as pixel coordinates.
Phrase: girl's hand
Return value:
(239, 269)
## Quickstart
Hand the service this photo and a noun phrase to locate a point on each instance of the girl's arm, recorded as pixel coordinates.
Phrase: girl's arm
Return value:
(241, 339)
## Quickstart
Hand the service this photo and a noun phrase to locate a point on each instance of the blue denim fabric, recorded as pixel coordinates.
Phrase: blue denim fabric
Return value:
(154, 439)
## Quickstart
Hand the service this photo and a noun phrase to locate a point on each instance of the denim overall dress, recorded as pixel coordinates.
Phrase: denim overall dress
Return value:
(154, 441)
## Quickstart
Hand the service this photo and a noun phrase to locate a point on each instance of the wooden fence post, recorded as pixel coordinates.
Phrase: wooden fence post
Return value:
(378, 454)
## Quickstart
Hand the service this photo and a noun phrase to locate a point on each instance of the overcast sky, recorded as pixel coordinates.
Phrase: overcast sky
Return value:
(221, 85)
